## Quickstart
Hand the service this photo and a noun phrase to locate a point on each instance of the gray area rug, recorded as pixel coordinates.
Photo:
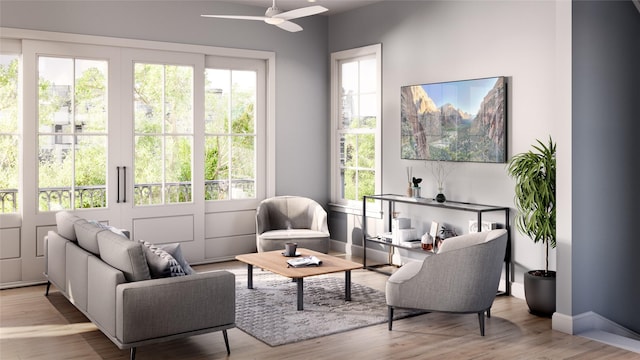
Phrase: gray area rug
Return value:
(268, 311)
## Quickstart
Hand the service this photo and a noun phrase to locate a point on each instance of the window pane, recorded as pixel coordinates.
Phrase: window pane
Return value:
(9, 136)
(178, 99)
(349, 110)
(8, 173)
(217, 97)
(243, 167)
(242, 104)
(366, 151)
(90, 172)
(367, 76)
(56, 79)
(216, 168)
(366, 183)
(91, 95)
(350, 144)
(8, 94)
(148, 170)
(55, 169)
(148, 94)
(348, 184)
(178, 169)
(349, 77)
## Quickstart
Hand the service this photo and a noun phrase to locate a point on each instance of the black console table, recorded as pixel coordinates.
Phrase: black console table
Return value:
(391, 199)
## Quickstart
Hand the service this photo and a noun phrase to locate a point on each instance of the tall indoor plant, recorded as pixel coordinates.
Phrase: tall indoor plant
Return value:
(535, 200)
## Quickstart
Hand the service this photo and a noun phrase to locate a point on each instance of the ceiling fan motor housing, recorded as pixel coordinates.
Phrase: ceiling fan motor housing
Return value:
(272, 11)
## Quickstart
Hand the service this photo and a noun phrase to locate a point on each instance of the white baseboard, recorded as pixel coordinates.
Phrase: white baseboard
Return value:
(596, 327)
(517, 290)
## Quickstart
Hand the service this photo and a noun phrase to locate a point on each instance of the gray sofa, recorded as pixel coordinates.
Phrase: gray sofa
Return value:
(284, 219)
(108, 278)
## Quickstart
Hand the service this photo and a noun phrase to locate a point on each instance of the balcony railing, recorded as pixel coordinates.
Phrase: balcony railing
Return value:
(57, 198)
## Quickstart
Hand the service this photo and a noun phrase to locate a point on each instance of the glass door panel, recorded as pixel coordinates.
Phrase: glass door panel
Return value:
(163, 118)
(230, 134)
(72, 133)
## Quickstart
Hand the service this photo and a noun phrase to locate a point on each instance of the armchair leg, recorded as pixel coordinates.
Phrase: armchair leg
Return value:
(226, 341)
(489, 313)
(481, 321)
(46, 292)
(390, 314)
(132, 354)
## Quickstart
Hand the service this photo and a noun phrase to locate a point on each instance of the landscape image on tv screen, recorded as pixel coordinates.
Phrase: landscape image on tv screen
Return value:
(455, 121)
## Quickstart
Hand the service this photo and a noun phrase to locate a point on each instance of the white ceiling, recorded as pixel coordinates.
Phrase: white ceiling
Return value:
(334, 6)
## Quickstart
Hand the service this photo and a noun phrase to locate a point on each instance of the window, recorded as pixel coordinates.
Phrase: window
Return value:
(356, 123)
(72, 133)
(9, 132)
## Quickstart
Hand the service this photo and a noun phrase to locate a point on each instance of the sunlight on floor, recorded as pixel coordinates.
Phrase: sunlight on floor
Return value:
(38, 331)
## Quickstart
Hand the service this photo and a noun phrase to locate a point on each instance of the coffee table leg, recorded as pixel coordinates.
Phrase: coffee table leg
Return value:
(249, 276)
(347, 285)
(300, 293)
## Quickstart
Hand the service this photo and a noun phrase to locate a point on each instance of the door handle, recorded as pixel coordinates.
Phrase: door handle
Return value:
(124, 194)
(118, 184)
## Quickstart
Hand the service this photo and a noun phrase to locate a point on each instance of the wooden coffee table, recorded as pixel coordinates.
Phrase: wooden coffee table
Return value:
(275, 262)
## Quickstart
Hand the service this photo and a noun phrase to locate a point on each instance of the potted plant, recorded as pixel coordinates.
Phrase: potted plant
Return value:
(535, 200)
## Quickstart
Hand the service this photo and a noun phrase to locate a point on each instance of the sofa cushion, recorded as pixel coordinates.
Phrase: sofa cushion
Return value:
(176, 252)
(87, 234)
(124, 255)
(161, 263)
(64, 222)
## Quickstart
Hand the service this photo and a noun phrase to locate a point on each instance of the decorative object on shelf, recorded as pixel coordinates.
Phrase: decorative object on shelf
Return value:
(535, 200)
(473, 112)
(440, 171)
(416, 186)
(426, 242)
(486, 226)
(409, 177)
(447, 232)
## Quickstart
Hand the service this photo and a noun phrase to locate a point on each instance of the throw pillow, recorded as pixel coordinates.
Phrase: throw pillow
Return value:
(176, 252)
(113, 229)
(161, 263)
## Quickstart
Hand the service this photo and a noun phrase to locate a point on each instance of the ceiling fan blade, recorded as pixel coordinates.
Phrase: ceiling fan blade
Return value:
(237, 17)
(302, 12)
(289, 26)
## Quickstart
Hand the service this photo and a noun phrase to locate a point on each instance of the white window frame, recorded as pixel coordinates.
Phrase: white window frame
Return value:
(336, 59)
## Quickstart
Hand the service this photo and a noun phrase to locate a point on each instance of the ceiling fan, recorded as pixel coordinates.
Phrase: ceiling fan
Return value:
(275, 16)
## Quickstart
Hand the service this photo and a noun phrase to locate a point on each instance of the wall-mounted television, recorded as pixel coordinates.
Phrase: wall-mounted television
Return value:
(455, 121)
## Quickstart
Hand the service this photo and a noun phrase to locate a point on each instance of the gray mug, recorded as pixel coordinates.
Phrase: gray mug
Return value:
(290, 249)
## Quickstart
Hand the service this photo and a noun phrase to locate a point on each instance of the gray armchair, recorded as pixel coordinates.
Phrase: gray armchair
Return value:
(284, 219)
(462, 277)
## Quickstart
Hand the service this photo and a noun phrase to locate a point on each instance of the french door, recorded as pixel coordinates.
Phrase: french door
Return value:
(171, 145)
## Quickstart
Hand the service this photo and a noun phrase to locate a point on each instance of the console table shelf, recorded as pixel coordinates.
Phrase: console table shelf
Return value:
(478, 209)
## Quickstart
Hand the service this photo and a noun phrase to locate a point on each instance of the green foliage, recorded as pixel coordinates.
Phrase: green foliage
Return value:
(535, 199)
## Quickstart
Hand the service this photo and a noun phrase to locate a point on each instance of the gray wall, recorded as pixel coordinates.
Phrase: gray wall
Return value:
(433, 41)
(301, 64)
(606, 196)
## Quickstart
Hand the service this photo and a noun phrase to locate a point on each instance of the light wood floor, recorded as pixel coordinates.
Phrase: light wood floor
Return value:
(33, 326)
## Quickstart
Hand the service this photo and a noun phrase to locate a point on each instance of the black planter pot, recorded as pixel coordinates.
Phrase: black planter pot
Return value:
(540, 292)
